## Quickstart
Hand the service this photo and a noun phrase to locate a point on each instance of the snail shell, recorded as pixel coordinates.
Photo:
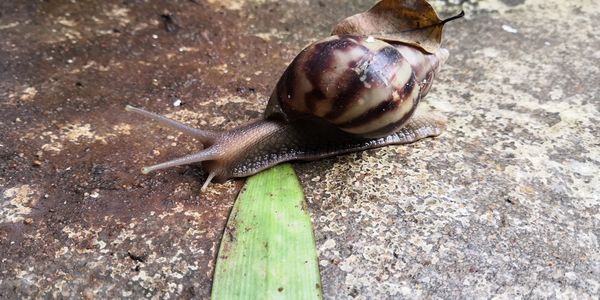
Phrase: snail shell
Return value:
(361, 85)
(341, 94)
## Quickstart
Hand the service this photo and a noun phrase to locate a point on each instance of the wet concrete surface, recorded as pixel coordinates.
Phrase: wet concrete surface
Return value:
(504, 203)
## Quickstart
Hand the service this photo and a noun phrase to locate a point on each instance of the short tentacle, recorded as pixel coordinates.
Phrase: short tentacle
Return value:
(210, 177)
(205, 136)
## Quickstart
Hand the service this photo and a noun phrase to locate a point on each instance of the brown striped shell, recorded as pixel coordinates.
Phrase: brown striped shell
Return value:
(362, 85)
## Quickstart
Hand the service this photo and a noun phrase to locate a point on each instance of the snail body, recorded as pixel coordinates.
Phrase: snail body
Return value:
(341, 94)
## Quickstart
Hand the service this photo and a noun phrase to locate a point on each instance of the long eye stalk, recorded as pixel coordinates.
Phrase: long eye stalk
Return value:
(205, 136)
(206, 154)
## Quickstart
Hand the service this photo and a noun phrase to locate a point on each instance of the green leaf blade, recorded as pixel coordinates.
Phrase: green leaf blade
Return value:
(268, 248)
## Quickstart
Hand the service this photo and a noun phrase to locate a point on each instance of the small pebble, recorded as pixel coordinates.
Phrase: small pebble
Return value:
(177, 103)
(508, 28)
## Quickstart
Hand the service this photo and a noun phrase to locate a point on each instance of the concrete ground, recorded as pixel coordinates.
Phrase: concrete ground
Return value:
(504, 204)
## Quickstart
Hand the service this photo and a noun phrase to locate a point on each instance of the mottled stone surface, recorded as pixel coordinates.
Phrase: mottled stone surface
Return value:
(505, 203)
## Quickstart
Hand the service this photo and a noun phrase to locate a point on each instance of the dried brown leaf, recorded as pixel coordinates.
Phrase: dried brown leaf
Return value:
(412, 22)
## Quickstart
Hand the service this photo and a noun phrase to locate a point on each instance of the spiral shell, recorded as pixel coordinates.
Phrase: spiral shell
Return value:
(362, 85)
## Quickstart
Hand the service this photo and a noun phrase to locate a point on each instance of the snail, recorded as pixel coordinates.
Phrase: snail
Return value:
(340, 94)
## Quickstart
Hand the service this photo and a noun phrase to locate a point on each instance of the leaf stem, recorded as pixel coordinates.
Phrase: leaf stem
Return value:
(458, 16)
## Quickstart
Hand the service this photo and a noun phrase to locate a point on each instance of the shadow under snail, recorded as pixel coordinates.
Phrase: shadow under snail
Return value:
(341, 94)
